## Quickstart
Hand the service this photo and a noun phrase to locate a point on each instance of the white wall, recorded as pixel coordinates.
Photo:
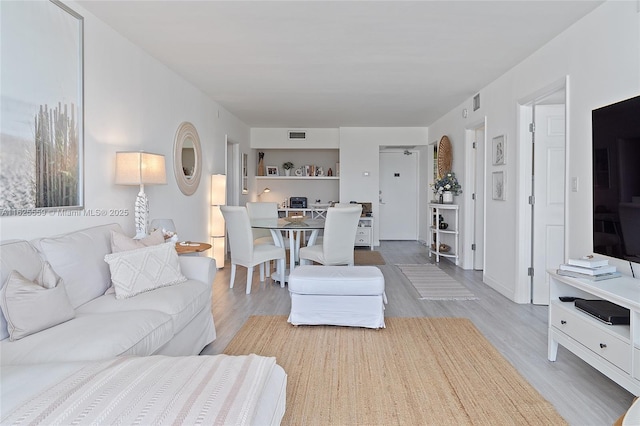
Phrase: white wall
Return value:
(601, 56)
(360, 152)
(132, 102)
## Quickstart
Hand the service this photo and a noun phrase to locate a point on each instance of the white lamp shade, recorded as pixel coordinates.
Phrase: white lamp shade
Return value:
(218, 190)
(140, 168)
(217, 222)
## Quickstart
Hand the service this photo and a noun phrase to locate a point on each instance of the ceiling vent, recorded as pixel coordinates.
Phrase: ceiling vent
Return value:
(299, 135)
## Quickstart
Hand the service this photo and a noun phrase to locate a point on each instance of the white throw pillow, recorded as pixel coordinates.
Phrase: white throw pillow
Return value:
(30, 307)
(121, 242)
(144, 269)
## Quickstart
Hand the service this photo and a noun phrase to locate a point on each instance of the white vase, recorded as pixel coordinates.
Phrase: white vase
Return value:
(447, 197)
(287, 172)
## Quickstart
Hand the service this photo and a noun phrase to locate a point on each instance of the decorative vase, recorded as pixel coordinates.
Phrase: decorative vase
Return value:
(287, 172)
(447, 197)
(260, 164)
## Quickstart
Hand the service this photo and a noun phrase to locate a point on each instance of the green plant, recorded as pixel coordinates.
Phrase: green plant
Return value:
(288, 165)
(448, 182)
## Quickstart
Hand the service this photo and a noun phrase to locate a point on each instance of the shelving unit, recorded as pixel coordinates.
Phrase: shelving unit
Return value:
(614, 350)
(364, 233)
(297, 177)
(449, 236)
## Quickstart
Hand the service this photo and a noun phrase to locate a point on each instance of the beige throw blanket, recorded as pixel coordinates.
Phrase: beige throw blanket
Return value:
(156, 390)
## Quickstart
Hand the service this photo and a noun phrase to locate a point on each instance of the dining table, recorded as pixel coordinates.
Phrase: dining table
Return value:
(296, 229)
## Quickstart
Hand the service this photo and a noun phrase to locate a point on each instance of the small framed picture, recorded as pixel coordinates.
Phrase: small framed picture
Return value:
(272, 171)
(499, 150)
(499, 186)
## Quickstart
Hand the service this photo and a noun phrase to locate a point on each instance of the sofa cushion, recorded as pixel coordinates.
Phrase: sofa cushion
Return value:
(78, 257)
(21, 256)
(121, 242)
(144, 269)
(30, 307)
(182, 301)
(92, 337)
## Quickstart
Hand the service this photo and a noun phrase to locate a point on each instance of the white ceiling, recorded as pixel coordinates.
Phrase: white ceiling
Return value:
(307, 64)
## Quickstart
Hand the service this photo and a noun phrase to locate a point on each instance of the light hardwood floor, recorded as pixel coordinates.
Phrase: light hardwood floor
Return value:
(581, 394)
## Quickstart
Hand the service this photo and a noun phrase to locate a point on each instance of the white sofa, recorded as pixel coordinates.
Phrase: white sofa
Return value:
(173, 320)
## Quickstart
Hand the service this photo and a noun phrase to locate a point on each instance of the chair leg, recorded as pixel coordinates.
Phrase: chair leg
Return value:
(262, 271)
(249, 279)
(282, 269)
(233, 275)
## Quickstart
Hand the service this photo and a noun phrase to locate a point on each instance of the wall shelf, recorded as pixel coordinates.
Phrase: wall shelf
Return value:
(449, 235)
(297, 177)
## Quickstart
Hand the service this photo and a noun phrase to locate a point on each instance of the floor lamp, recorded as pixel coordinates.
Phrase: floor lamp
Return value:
(140, 168)
(218, 198)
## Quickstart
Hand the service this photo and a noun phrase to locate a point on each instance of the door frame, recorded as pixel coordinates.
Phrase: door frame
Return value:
(525, 107)
(469, 220)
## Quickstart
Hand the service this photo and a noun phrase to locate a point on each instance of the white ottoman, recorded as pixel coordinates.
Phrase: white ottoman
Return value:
(337, 295)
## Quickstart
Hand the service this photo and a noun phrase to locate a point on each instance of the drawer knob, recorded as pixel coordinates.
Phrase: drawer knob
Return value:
(603, 345)
(563, 322)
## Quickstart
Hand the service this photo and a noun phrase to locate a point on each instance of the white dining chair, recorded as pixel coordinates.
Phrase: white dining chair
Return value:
(338, 240)
(259, 210)
(243, 250)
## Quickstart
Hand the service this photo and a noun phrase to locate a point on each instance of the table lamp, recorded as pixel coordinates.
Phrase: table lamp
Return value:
(140, 168)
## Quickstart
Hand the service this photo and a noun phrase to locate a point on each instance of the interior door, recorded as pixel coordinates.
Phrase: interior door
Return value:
(549, 187)
(398, 209)
(478, 201)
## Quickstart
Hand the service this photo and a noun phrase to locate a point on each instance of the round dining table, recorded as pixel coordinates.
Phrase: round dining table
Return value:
(295, 231)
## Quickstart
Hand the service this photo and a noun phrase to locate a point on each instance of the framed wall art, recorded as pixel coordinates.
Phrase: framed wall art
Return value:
(499, 150)
(273, 171)
(41, 155)
(498, 186)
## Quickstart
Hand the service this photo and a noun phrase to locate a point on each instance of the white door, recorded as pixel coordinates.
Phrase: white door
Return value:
(398, 209)
(549, 186)
(478, 200)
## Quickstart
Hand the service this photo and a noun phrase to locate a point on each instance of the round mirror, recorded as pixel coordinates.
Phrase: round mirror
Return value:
(187, 158)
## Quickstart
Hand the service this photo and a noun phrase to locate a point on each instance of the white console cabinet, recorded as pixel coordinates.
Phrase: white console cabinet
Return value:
(614, 350)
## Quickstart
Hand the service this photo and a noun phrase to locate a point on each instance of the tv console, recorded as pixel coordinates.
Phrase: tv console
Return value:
(614, 350)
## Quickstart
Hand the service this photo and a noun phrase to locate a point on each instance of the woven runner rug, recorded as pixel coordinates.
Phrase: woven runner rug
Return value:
(432, 283)
(416, 371)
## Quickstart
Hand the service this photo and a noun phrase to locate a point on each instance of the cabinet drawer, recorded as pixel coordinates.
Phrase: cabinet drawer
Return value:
(363, 236)
(590, 333)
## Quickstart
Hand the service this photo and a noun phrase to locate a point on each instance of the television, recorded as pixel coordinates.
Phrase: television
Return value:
(616, 180)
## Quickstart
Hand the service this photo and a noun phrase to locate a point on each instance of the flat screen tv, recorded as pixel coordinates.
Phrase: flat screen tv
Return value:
(616, 180)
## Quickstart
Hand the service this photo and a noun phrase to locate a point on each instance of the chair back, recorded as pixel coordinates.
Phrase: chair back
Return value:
(239, 233)
(340, 234)
(262, 211)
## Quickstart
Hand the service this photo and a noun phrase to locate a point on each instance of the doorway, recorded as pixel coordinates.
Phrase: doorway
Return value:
(475, 197)
(398, 195)
(543, 126)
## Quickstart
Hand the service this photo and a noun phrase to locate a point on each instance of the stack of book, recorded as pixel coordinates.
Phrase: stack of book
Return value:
(589, 268)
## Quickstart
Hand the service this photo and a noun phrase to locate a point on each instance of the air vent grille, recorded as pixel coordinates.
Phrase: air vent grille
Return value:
(297, 134)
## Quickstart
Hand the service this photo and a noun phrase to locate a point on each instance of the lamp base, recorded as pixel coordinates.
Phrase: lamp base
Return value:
(141, 215)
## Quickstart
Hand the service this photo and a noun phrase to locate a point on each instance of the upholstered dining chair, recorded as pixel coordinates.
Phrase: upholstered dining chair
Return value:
(338, 240)
(259, 210)
(243, 250)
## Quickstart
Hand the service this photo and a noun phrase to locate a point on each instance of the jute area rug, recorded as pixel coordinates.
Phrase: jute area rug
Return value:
(417, 371)
(432, 283)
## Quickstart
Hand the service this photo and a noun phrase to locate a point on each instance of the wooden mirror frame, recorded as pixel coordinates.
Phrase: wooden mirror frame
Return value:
(187, 131)
(445, 156)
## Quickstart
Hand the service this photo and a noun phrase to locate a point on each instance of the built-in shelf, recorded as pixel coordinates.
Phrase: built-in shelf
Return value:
(297, 177)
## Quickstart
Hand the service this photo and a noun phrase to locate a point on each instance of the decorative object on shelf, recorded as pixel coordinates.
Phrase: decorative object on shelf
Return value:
(319, 171)
(140, 168)
(330, 172)
(273, 171)
(443, 225)
(260, 164)
(298, 171)
(499, 146)
(448, 183)
(445, 156)
(498, 186)
(287, 166)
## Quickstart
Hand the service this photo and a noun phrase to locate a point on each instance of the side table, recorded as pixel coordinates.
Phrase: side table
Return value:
(186, 247)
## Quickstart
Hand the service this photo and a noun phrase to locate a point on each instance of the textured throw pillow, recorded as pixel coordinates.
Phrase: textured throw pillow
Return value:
(144, 269)
(121, 242)
(30, 307)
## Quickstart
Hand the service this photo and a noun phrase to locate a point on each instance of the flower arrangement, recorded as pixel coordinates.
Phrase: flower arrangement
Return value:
(288, 165)
(448, 182)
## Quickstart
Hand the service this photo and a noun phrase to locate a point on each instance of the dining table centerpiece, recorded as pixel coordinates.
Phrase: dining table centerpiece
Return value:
(446, 187)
